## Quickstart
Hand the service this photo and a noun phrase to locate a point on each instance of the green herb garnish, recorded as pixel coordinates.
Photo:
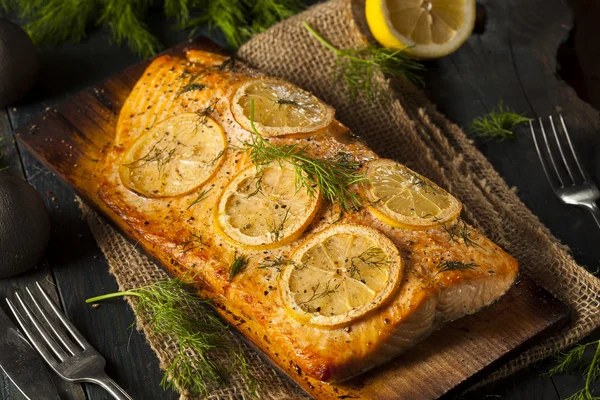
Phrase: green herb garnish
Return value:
(574, 358)
(173, 310)
(444, 266)
(55, 21)
(332, 176)
(190, 88)
(277, 228)
(239, 264)
(460, 230)
(203, 195)
(357, 67)
(277, 263)
(194, 242)
(498, 124)
(318, 292)
(373, 257)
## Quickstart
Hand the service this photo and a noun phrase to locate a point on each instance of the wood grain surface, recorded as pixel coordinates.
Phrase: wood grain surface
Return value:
(70, 139)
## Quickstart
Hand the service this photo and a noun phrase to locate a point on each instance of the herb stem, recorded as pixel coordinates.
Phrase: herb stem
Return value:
(111, 296)
(320, 38)
(333, 177)
(359, 67)
(590, 374)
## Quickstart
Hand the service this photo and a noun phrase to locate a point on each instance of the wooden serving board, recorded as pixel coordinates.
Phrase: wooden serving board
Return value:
(70, 140)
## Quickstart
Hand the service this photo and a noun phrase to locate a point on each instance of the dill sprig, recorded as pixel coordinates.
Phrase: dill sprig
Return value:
(191, 87)
(460, 230)
(276, 229)
(239, 264)
(498, 124)
(373, 257)
(444, 266)
(194, 241)
(203, 195)
(56, 21)
(267, 13)
(357, 67)
(574, 358)
(318, 292)
(332, 176)
(172, 310)
(277, 263)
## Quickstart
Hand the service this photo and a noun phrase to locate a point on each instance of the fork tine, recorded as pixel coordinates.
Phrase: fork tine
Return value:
(540, 155)
(560, 149)
(52, 345)
(59, 334)
(581, 170)
(33, 339)
(549, 151)
(68, 325)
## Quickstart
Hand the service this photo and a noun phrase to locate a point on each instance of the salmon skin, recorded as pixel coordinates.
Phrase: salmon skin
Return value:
(424, 300)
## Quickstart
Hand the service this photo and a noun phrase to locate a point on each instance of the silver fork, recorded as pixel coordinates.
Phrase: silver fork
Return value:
(572, 185)
(72, 358)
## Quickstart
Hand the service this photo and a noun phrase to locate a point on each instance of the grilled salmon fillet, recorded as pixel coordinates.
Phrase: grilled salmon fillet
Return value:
(424, 300)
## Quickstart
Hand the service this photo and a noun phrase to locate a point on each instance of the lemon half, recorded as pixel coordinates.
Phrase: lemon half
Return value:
(426, 28)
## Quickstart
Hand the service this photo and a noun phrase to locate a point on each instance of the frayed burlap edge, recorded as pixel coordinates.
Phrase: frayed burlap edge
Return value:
(407, 127)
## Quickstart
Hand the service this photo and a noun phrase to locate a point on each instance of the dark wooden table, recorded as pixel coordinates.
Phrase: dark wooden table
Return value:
(512, 58)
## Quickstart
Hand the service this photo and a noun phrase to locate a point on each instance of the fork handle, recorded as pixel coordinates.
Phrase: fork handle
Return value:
(595, 210)
(111, 387)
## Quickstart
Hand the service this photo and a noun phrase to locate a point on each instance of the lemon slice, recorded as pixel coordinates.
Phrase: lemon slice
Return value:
(174, 157)
(404, 199)
(340, 274)
(426, 28)
(263, 209)
(280, 108)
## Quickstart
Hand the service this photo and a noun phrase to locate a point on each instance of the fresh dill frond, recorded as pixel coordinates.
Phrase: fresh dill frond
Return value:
(125, 20)
(173, 310)
(203, 195)
(239, 264)
(498, 124)
(444, 266)
(56, 21)
(190, 88)
(318, 292)
(277, 263)
(194, 241)
(266, 13)
(276, 229)
(357, 67)
(217, 157)
(460, 230)
(574, 358)
(161, 153)
(332, 176)
(373, 257)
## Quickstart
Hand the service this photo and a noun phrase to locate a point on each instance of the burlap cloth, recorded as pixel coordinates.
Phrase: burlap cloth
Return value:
(406, 127)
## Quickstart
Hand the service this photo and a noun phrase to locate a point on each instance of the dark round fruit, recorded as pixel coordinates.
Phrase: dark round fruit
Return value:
(24, 226)
(19, 63)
